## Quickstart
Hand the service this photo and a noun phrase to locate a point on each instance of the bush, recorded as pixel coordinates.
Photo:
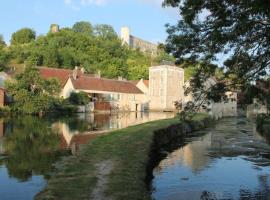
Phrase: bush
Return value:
(80, 98)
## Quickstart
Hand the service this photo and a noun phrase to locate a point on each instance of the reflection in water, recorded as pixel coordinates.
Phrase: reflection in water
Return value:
(29, 149)
(29, 146)
(77, 131)
(229, 162)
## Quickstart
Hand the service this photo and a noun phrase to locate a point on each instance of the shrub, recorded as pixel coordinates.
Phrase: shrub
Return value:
(80, 98)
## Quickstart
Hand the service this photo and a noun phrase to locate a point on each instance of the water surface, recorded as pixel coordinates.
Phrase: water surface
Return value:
(230, 161)
(30, 146)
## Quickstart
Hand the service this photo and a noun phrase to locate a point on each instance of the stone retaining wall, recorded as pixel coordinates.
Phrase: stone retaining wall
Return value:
(164, 138)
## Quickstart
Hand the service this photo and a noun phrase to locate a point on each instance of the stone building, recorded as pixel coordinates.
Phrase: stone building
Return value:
(54, 28)
(215, 109)
(165, 87)
(106, 94)
(137, 43)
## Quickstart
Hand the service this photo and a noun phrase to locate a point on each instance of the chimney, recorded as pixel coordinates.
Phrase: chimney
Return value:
(74, 74)
(98, 75)
(82, 70)
(54, 28)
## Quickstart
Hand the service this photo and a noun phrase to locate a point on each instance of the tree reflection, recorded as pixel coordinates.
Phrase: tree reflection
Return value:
(262, 193)
(32, 147)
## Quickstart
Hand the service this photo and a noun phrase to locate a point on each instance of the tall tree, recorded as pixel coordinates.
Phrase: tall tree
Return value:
(83, 27)
(31, 93)
(105, 31)
(22, 36)
(237, 30)
(2, 42)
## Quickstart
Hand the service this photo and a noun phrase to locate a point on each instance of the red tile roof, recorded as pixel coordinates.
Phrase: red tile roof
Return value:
(135, 82)
(146, 83)
(102, 84)
(61, 74)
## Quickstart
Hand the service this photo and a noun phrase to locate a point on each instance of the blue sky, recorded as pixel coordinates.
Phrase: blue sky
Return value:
(146, 18)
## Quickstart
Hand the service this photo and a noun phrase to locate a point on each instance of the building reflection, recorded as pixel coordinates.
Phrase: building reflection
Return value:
(85, 127)
(200, 151)
(193, 155)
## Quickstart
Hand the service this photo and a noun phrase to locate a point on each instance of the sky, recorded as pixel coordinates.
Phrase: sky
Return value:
(145, 18)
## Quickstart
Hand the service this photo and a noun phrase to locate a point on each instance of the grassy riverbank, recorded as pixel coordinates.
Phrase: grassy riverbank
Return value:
(112, 165)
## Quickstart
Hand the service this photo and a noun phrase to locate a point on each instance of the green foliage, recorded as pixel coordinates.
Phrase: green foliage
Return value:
(31, 94)
(4, 59)
(96, 48)
(2, 42)
(83, 27)
(105, 31)
(190, 72)
(80, 98)
(23, 36)
(138, 65)
(237, 30)
(163, 56)
(32, 147)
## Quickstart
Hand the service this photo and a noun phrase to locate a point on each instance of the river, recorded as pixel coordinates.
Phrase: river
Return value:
(30, 146)
(228, 161)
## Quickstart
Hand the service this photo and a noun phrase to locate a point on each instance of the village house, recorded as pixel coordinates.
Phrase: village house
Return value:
(164, 87)
(221, 109)
(106, 94)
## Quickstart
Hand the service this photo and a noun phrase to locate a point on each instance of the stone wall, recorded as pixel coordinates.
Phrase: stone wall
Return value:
(165, 87)
(137, 43)
(170, 137)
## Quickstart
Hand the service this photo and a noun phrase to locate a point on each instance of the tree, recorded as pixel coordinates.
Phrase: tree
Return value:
(32, 147)
(101, 51)
(32, 94)
(2, 42)
(80, 98)
(83, 27)
(4, 58)
(238, 30)
(105, 31)
(22, 36)
(138, 65)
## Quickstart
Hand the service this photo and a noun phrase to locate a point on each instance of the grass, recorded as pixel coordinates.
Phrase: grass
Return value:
(128, 149)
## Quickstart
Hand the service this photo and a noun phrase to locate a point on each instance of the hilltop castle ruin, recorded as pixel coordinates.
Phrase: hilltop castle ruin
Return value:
(137, 43)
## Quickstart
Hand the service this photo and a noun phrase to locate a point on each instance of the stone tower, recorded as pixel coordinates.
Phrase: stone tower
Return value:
(125, 35)
(166, 85)
(54, 28)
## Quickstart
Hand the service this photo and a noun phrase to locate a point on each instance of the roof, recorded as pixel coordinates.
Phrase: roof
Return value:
(102, 84)
(61, 74)
(146, 82)
(135, 82)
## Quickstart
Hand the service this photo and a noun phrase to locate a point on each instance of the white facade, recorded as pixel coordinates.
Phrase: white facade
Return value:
(118, 101)
(125, 35)
(165, 87)
(216, 109)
